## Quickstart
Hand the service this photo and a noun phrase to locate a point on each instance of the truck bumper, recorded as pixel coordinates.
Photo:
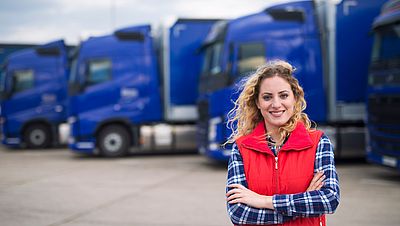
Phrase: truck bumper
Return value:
(216, 153)
(12, 142)
(383, 160)
(85, 147)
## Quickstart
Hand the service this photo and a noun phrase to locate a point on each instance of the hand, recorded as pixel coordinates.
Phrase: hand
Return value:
(241, 194)
(317, 182)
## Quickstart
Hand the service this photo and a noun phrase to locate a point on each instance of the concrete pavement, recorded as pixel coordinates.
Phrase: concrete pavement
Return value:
(57, 187)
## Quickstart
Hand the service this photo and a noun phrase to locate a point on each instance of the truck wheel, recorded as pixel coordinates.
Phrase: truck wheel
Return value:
(37, 136)
(113, 141)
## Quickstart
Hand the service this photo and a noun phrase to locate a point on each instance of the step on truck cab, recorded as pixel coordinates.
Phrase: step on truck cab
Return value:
(383, 143)
(328, 43)
(34, 95)
(136, 89)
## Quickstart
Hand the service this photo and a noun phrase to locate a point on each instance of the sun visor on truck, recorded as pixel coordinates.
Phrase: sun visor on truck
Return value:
(129, 35)
(286, 14)
(48, 51)
(54, 48)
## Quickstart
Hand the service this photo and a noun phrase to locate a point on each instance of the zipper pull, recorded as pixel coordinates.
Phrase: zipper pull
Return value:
(276, 163)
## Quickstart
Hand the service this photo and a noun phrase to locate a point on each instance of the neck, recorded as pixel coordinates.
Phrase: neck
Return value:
(273, 132)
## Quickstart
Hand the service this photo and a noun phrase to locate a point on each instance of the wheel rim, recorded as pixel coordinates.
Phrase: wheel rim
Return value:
(37, 137)
(113, 142)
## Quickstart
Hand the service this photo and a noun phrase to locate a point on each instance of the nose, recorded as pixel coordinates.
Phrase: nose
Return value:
(276, 103)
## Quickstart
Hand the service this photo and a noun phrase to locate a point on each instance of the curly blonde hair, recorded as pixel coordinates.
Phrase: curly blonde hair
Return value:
(245, 115)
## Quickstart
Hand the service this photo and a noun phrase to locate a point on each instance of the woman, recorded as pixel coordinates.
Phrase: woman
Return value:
(281, 171)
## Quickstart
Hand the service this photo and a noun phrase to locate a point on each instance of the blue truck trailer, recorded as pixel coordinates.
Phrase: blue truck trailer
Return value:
(34, 95)
(329, 44)
(136, 89)
(383, 143)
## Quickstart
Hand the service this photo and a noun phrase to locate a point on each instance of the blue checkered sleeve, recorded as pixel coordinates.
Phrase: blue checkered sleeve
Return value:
(318, 202)
(241, 213)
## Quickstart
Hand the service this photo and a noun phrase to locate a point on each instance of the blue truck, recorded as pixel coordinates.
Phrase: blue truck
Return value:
(136, 89)
(34, 95)
(329, 44)
(383, 143)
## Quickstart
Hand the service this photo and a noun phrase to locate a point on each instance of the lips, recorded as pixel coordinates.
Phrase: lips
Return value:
(277, 113)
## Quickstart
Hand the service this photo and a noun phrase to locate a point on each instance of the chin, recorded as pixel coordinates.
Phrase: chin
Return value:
(280, 123)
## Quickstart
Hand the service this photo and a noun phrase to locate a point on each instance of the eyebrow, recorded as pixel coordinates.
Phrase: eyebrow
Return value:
(280, 92)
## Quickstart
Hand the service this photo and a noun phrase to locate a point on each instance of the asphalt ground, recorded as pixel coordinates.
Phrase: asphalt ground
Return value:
(57, 187)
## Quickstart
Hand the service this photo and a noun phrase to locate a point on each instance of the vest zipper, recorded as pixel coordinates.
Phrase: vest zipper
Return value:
(276, 175)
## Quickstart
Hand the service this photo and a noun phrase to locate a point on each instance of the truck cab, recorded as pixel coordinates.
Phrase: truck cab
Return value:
(34, 95)
(383, 106)
(315, 37)
(136, 89)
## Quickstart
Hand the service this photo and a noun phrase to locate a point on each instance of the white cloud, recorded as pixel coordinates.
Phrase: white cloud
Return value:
(40, 21)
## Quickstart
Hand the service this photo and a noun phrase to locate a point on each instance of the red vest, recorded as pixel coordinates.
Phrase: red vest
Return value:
(289, 173)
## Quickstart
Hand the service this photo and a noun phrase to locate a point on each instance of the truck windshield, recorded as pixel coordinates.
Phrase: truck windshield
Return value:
(212, 59)
(385, 66)
(2, 80)
(387, 43)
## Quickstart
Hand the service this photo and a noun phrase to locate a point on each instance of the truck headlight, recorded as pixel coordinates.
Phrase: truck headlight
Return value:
(212, 128)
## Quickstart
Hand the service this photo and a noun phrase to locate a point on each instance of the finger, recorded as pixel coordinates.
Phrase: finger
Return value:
(320, 180)
(316, 177)
(318, 183)
(232, 197)
(312, 187)
(235, 186)
(320, 186)
(235, 201)
(235, 196)
(314, 181)
(232, 191)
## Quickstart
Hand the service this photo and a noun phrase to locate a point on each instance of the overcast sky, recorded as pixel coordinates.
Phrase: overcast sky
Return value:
(41, 21)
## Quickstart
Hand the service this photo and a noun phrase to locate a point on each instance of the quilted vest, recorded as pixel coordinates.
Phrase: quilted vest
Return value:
(290, 172)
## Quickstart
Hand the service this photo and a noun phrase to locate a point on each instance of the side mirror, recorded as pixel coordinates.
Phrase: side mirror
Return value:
(74, 89)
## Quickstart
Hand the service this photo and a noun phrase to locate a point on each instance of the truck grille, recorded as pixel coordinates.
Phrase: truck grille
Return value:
(384, 124)
(202, 124)
(203, 111)
(384, 109)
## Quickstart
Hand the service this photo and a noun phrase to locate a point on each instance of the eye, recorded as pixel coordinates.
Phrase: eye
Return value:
(284, 96)
(267, 97)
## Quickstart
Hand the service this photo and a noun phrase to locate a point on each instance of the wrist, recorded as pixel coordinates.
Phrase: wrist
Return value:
(268, 204)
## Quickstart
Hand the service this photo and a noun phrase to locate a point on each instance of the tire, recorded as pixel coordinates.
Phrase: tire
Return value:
(37, 136)
(113, 141)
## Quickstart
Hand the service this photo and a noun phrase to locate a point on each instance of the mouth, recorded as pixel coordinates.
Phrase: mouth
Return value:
(277, 113)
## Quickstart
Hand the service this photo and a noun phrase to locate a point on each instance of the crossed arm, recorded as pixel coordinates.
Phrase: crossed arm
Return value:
(248, 207)
(241, 194)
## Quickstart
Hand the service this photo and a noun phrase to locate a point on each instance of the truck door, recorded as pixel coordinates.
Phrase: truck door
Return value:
(95, 73)
(21, 99)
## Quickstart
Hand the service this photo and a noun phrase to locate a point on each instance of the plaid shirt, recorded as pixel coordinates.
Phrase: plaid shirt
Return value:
(288, 206)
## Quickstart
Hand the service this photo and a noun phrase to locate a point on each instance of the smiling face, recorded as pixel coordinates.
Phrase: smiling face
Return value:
(276, 102)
